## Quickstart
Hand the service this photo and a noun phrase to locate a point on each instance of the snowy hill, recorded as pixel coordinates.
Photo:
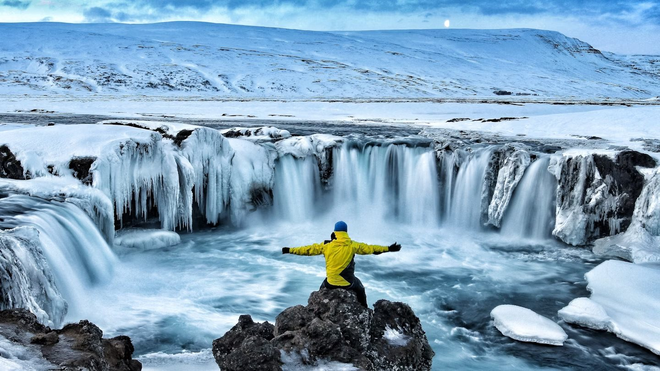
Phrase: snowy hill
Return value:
(215, 60)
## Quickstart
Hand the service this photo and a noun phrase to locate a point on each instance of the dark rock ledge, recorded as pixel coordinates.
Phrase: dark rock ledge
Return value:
(77, 346)
(332, 327)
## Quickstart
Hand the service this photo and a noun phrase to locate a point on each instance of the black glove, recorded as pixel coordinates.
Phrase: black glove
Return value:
(332, 238)
(285, 250)
(394, 247)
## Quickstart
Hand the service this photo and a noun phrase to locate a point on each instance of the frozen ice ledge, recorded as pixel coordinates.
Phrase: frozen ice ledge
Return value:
(182, 177)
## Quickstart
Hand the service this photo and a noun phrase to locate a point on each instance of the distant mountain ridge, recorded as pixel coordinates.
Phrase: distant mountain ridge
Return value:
(227, 61)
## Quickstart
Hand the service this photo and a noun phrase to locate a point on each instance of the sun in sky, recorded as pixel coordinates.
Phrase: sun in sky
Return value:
(447, 23)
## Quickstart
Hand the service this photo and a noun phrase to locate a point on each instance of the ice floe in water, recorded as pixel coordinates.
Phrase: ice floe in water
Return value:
(147, 238)
(585, 312)
(625, 300)
(523, 324)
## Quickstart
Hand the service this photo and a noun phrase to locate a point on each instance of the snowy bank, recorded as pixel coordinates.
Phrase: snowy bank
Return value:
(523, 324)
(625, 300)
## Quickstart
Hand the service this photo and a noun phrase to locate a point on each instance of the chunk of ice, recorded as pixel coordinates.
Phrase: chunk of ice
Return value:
(523, 324)
(625, 300)
(147, 238)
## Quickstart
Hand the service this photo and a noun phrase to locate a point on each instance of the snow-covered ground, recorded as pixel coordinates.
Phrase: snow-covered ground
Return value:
(622, 125)
(215, 60)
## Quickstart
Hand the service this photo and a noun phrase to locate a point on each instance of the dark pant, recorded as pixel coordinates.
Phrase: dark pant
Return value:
(356, 287)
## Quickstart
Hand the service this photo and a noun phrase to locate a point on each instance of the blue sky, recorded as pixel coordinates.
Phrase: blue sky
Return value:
(612, 25)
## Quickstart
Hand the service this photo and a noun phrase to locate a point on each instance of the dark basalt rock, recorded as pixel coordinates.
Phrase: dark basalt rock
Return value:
(23, 320)
(247, 347)
(332, 327)
(629, 159)
(118, 353)
(326, 169)
(416, 354)
(609, 189)
(181, 136)
(254, 354)
(77, 346)
(49, 338)
(260, 197)
(624, 182)
(10, 167)
(81, 168)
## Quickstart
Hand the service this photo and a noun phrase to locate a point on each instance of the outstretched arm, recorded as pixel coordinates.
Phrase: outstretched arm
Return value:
(314, 249)
(364, 249)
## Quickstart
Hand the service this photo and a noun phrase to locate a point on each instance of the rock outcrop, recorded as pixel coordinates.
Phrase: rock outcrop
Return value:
(77, 346)
(596, 194)
(10, 167)
(332, 327)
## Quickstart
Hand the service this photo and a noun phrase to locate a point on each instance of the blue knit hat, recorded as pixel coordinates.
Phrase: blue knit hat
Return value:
(341, 227)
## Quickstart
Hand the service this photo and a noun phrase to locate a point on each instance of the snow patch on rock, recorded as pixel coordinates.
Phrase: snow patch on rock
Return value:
(395, 337)
(265, 133)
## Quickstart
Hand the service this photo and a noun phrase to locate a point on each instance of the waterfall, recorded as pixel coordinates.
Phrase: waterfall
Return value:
(387, 182)
(531, 213)
(408, 184)
(392, 182)
(72, 245)
(297, 186)
(465, 197)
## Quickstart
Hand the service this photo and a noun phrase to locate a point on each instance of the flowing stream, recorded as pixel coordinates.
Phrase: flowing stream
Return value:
(452, 271)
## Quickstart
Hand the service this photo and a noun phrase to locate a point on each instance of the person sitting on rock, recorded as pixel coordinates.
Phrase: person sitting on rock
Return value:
(339, 254)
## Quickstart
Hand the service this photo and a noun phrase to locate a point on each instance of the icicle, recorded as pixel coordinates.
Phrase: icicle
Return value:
(133, 172)
(252, 178)
(210, 155)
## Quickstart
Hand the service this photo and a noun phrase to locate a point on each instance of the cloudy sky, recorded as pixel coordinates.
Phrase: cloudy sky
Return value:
(614, 25)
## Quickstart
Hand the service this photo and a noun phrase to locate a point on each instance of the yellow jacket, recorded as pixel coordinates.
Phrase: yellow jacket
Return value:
(339, 257)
